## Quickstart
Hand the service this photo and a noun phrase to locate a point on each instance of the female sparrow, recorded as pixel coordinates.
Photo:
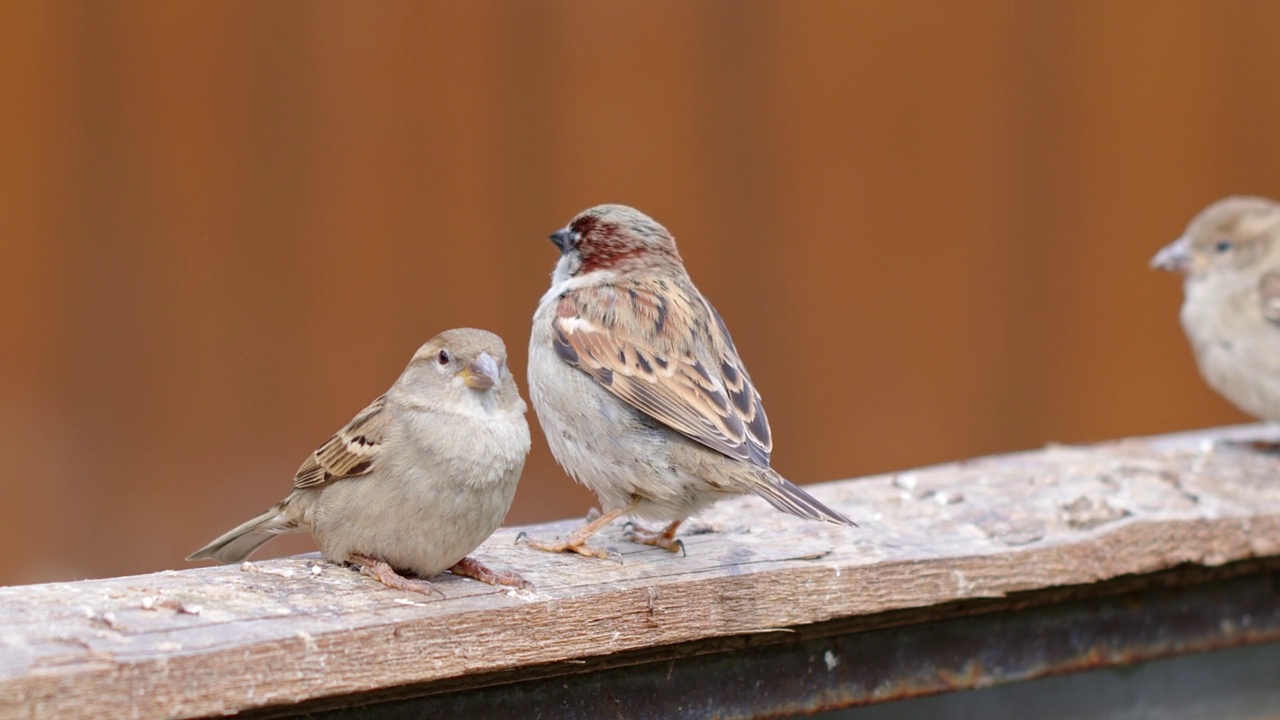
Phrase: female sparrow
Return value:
(639, 388)
(416, 480)
(1230, 255)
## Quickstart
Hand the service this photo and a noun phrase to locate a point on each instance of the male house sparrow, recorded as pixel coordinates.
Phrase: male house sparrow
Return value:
(1230, 254)
(416, 480)
(639, 388)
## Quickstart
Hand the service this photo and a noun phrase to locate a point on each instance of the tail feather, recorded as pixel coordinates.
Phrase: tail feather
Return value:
(237, 544)
(789, 498)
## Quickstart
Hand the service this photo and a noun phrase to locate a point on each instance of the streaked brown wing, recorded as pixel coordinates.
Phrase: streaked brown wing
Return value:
(665, 350)
(351, 452)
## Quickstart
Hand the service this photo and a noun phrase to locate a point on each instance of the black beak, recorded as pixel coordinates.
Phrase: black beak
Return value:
(565, 240)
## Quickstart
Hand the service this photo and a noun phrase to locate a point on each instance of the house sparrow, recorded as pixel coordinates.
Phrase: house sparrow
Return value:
(416, 480)
(639, 388)
(1230, 255)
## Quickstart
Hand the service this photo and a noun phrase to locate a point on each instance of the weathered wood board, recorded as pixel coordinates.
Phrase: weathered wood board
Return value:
(205, 641)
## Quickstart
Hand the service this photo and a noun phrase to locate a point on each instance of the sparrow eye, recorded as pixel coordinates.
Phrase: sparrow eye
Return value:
(1222, 245)
(443, 357)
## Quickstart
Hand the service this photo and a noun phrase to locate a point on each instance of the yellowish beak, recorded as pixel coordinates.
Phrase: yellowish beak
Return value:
(481, 374)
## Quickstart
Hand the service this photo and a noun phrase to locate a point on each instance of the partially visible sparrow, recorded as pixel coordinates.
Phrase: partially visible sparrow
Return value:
(639, 388)
(415, 481)
(1230, 254)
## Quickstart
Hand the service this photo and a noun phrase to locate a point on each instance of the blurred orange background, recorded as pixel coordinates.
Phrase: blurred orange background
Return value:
(227, 226)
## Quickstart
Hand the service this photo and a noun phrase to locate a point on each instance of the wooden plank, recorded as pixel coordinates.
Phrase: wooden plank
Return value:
(840, 664)
(219, 640)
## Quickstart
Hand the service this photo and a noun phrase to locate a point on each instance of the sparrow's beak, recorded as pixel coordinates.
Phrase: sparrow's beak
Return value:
(481, 374)
(565, 240)
(1174, 257)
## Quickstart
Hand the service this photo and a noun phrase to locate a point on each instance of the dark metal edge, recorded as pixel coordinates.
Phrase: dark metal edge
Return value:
(860, 661)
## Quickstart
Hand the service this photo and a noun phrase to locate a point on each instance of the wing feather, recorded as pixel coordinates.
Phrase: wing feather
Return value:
(664, 350)
(351, 452)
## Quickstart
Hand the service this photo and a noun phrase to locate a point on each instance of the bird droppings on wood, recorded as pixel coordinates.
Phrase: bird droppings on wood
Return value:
(1087, 513)
(1011, 529)
(151, 602)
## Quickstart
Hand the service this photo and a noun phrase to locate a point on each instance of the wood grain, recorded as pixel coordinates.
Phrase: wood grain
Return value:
(220, 640)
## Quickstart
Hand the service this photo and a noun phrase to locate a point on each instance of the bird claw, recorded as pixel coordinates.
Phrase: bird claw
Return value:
(522, 535)
(664, 539)
(474, 569)
(389, 576)
(570, 545)
(576, 541)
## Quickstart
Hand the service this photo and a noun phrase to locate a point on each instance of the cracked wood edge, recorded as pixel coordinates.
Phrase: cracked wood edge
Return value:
(218, 640)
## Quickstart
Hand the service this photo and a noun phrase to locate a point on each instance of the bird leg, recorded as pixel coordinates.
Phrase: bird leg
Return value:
(466, 567)
(388, 576)
(665, 538)
(576, 541)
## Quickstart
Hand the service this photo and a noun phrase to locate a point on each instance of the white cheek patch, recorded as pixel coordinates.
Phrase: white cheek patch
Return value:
(563, 284)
